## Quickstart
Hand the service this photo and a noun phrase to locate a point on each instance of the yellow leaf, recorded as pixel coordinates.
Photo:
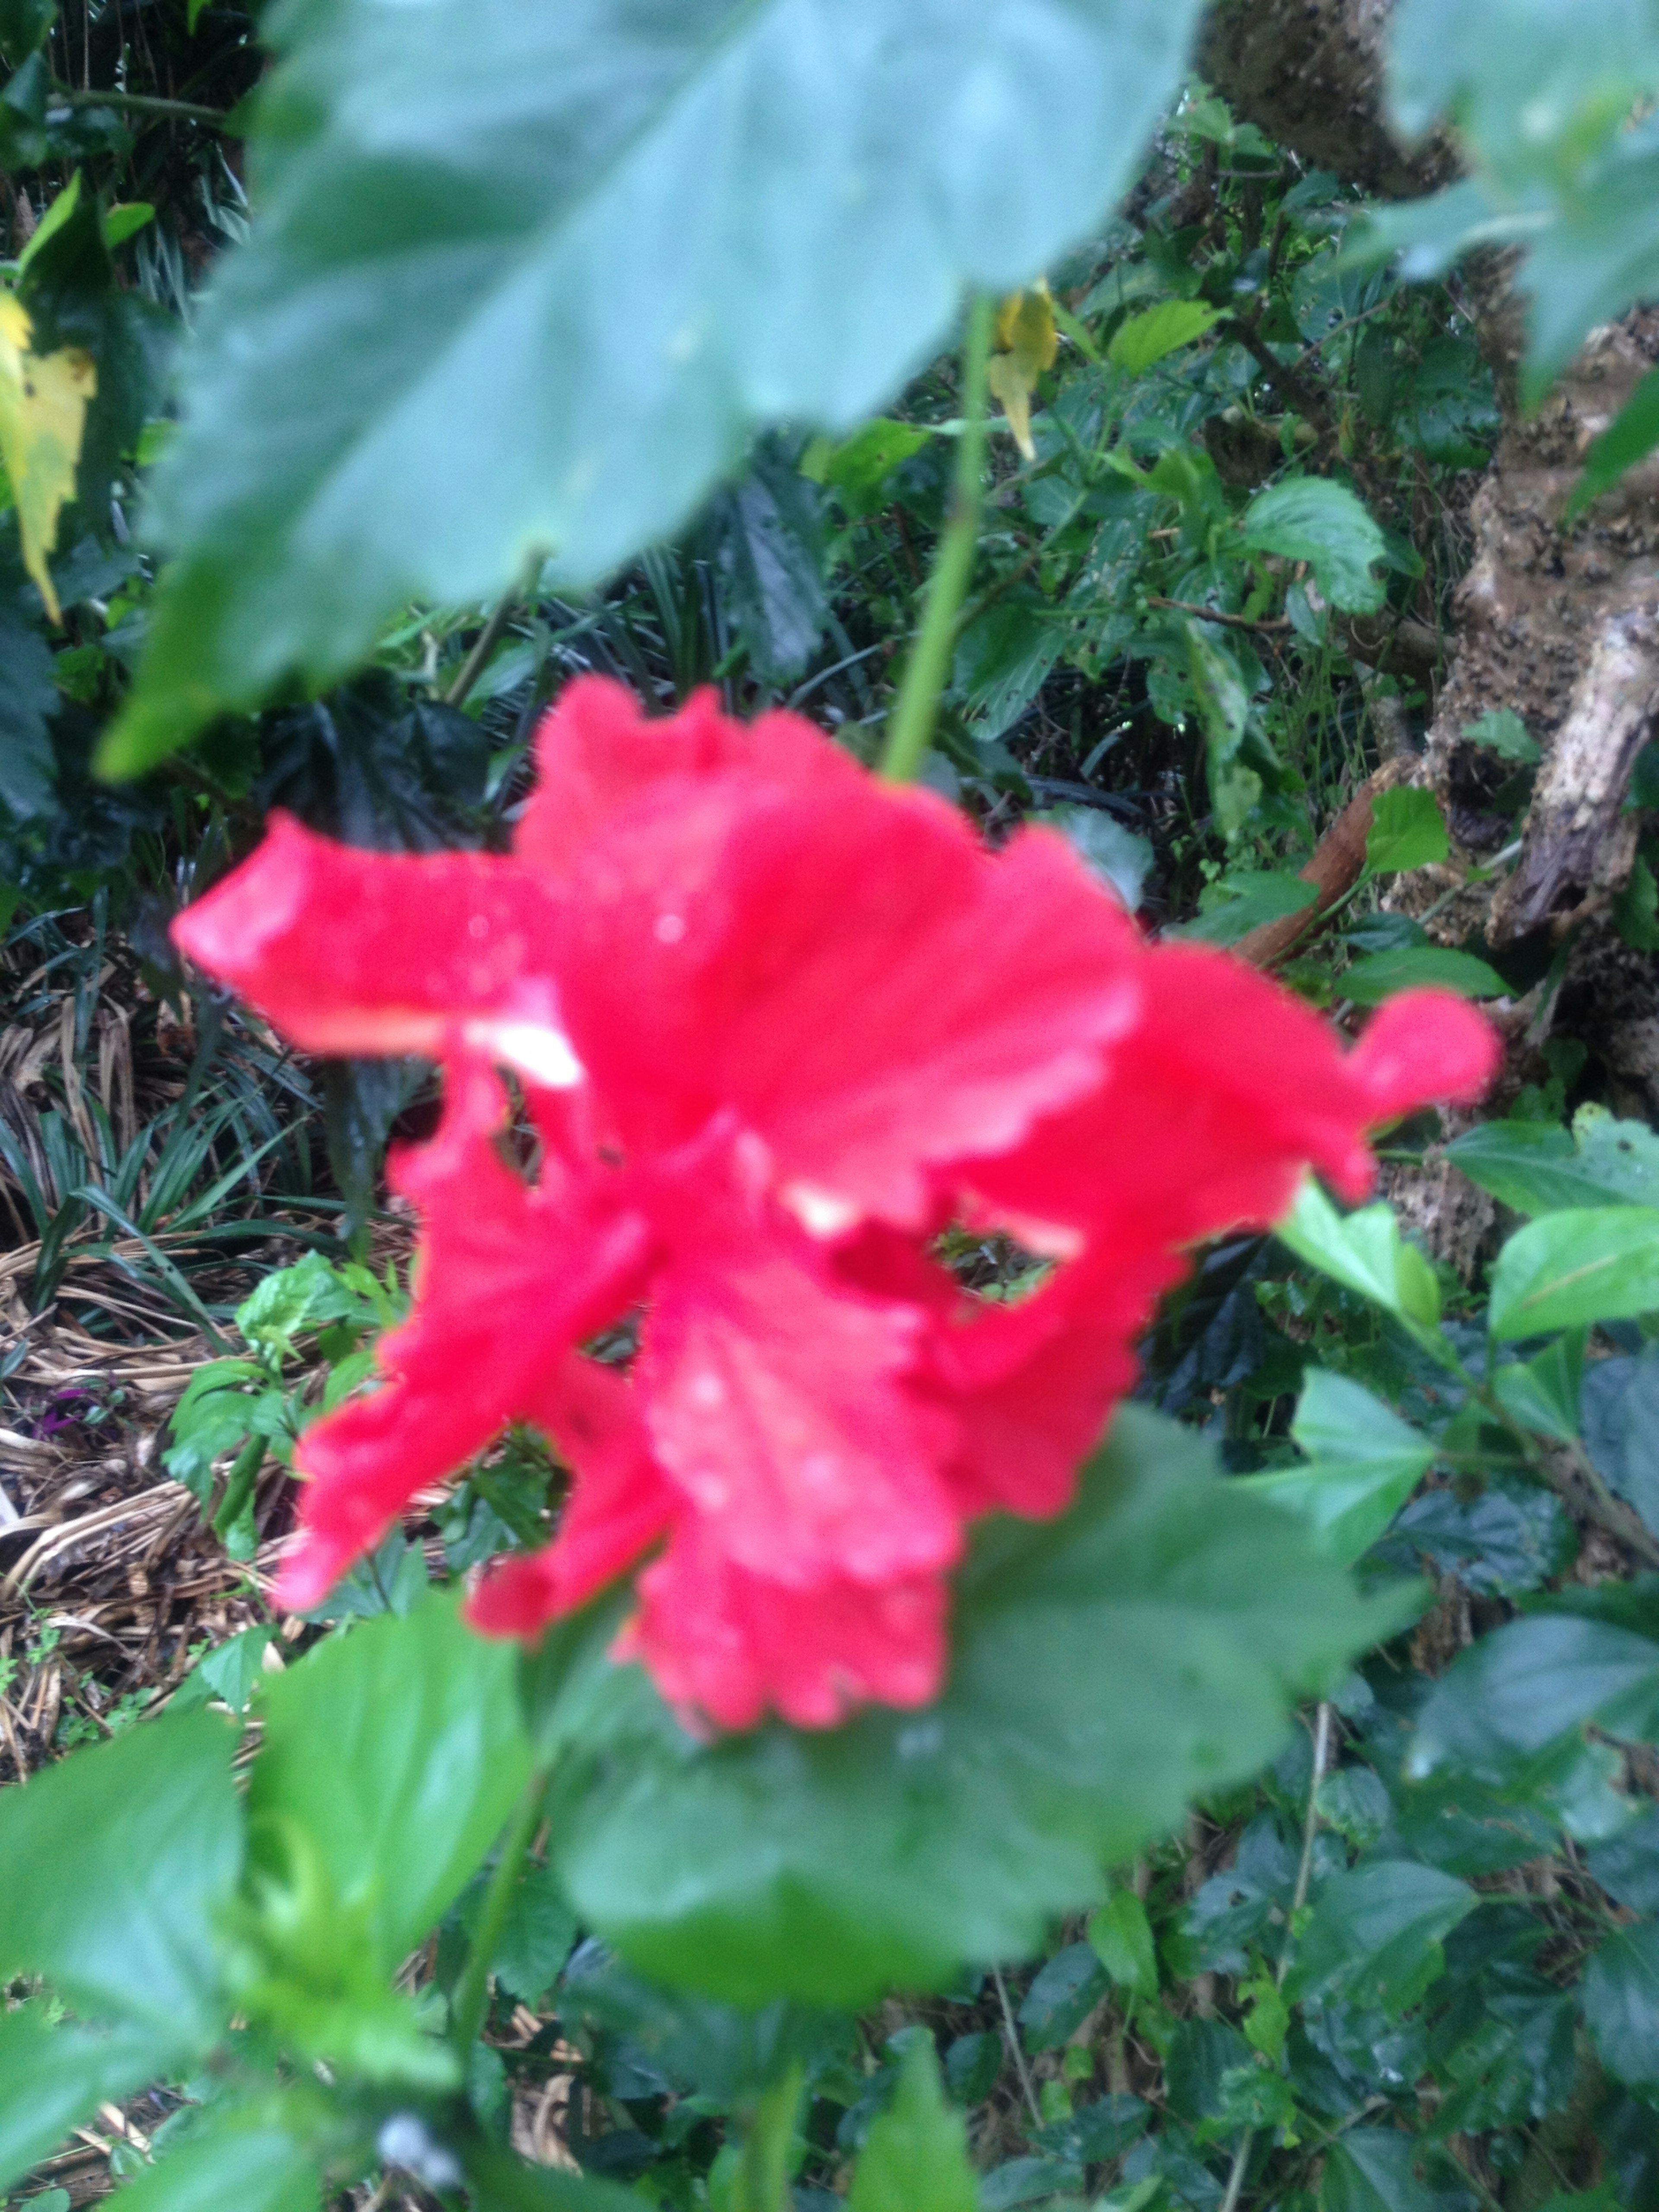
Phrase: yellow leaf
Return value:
(1028, 343)
(43, 413)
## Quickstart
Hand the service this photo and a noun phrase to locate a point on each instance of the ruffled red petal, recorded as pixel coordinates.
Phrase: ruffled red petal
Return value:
(619, 1504)
(596, 750)
(356, 953)
(730, 1646)
(860, 982)
(1227, 1088)
(773, 1397)
(510, 1278)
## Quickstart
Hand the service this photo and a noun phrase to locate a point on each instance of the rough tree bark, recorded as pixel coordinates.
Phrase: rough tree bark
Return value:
(1561, 625)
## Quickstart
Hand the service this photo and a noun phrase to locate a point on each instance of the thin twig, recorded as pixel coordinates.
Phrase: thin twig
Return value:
(1014, 2051)
(489, 635)
(1275, 626)
(139, 103)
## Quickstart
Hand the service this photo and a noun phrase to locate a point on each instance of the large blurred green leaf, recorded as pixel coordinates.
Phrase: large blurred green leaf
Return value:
(1542, 93)
(397, 1752)
(117, 1864)
(915, 2159)
(1105, 1668)
(528, 276)
(250, 2159)
(53, 2078)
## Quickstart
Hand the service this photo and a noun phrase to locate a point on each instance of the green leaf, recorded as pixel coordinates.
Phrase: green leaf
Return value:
(1243, 901)
(766, 537)
(248, 2159)
(1620, 1998)
(536, 1938)
(1121, 1936)
(23, 28)
(1407, 831)
(1311, 519)
(1375, 2170)
(1509, 1536)
(1065, 1992)
(1145, 338)
(1379, 975)
(1543, 121)
(126, 222)
(860, 468)
(1365, 1251)
(1505, 1710)
(915, 2155)
(1568, 1270)
(27, 696)
(1377, 1931)
(1112, 852)
(1538, 1169)
(829, 1865)
(119, 1862)
(1365, 1462)
(229, 1673)
(397, 1751)
(70, 289)
(1502, 732)
(1619, 1408)
(471, 320)
(290, 1301)
(1543, 1394)
(1224, 705)
(52, 2079)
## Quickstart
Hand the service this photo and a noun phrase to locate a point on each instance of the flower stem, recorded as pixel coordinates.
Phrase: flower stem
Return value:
(763, 2178)
(471, 2002)
(911, 723)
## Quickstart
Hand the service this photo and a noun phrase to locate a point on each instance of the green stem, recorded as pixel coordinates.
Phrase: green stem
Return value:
(138, 103)
(764, 2176)
(1303, 1874)
(917, 707)
(471, 2000)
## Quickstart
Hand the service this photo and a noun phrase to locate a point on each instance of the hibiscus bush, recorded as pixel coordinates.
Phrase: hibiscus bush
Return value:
(923, 1425)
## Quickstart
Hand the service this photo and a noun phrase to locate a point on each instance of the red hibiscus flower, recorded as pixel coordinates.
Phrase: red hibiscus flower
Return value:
(777, 1025)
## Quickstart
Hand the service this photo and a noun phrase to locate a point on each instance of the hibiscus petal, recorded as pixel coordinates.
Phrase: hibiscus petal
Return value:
(357, 953)
(1225, 1090)
(773, 1396)
(1032, 1386)
(729, 1645)
(619, 1505)
(596, 750)
(1029, 1386)
(1425, 1045)
(872, 992)
(511, 1278)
